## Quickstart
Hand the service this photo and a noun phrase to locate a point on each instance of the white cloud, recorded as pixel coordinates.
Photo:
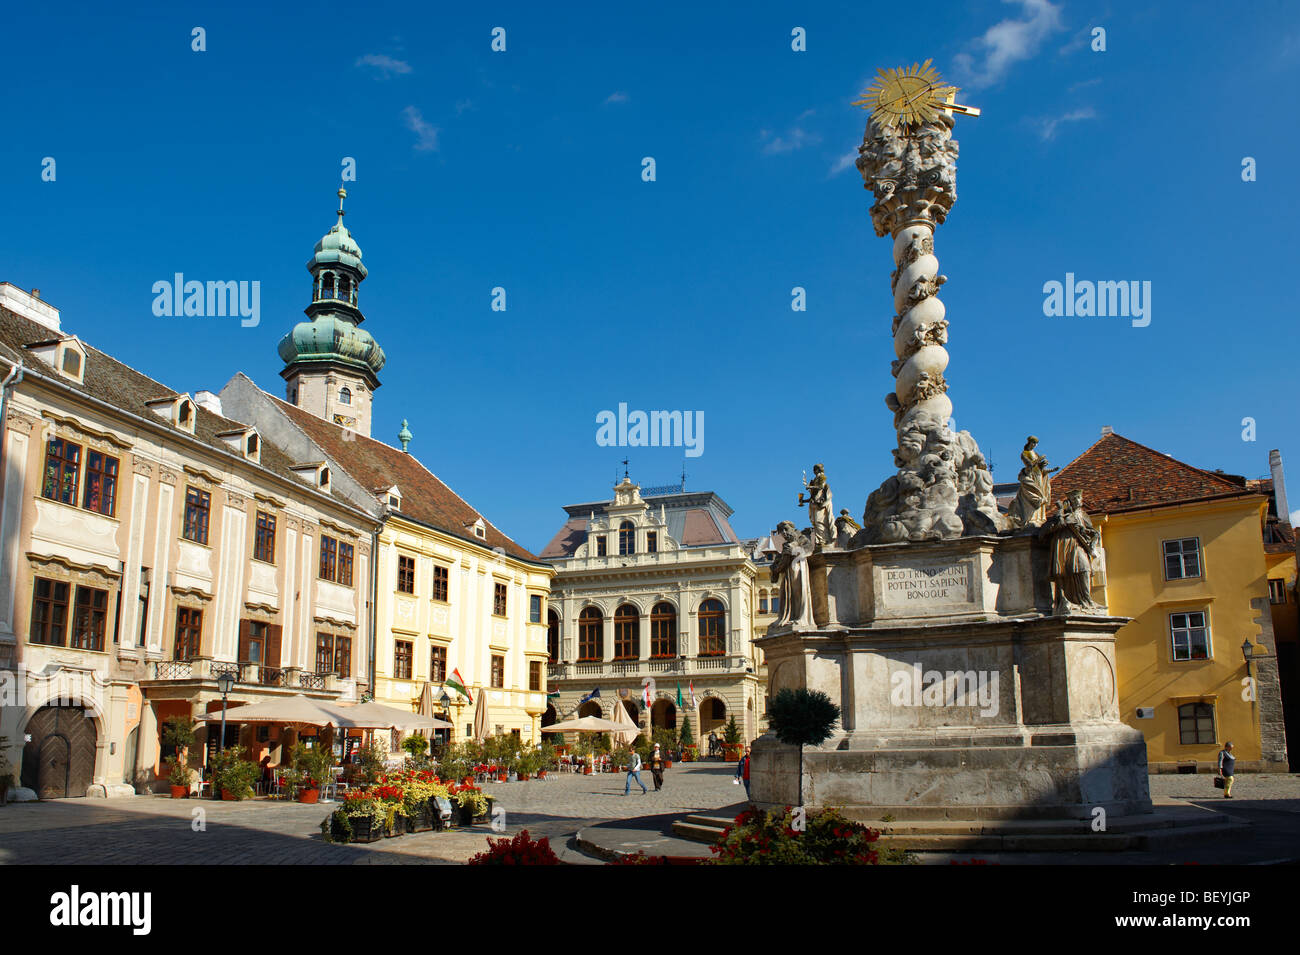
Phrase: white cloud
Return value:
(796, 138)
(1047, 128)
(385, 66)
(426, 136)
(618, 96)
(1007, 43)
(847, 161)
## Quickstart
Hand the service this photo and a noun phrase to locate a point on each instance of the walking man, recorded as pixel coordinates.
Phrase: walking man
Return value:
(1227, 764)
(634, 772)
(657, 768)
(742, 772)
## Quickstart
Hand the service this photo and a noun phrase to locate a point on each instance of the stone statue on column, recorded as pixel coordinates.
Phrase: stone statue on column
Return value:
(820, 513)
(1074, 548)
(790, 572)
(943, 488)
(1034, 495)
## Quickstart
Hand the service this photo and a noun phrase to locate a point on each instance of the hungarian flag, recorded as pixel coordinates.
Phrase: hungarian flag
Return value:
(553, 695)
(691, 686)
(679, 692)
(457, 683)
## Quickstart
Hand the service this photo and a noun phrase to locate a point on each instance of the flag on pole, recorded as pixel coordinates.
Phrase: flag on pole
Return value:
(457, 683)
(593, 695)
(647, 691)
(691, 687)
(553, 695)
(679, 692)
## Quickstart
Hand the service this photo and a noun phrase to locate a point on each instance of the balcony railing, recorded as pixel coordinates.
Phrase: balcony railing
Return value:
(733, 663)
(204, 670)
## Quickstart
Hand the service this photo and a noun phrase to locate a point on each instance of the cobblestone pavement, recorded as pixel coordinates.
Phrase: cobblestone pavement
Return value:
(159, 830)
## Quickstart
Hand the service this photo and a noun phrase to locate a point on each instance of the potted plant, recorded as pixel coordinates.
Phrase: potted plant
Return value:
(690, 753)
(314, 765)
(179, 775)
(178, 733)
(802, 718)
(233, 775)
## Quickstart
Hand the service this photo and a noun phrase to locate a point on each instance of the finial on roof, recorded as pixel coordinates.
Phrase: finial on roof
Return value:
(343, 194)
(404, 435)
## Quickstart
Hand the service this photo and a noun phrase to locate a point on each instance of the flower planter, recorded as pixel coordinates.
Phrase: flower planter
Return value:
(541, 774)
(522, 777)
(398, 828)
(362, 830)
(422, 821)
(180, 792)
(586, 770)
(309, 796)
(501, 779)
(668, 764)
(228, 796)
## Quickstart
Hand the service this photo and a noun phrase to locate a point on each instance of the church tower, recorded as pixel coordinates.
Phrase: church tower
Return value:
(331, 364)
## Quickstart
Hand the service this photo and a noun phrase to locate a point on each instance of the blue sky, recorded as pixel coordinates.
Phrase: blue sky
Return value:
(522, 169)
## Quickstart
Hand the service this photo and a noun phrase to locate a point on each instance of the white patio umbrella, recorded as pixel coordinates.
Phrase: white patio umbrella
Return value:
(585, 724)
(374, 715)
(624, 719)
(285, 711)
(481, 716)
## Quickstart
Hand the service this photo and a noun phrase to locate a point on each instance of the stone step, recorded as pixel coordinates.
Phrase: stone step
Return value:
(1154, 832)
(696, 832)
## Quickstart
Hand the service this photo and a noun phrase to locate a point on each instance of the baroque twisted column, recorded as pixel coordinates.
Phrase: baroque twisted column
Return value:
(943, 487)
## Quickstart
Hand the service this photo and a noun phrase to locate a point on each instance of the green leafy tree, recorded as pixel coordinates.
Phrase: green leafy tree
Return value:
(802, 718)
(731, 732)
(688, 737)
(416, 745)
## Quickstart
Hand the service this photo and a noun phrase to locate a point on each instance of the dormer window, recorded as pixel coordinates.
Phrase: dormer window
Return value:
(176, 409)
(313, 472)
(245, 442)
(324, 479)
(480, 530)
(65, 355)
(71, 364)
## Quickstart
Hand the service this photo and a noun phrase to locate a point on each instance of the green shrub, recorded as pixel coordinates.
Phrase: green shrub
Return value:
(731, 732)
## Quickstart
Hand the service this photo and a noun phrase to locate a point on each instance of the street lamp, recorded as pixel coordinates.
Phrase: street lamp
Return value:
(225, 683)
(1248, 652)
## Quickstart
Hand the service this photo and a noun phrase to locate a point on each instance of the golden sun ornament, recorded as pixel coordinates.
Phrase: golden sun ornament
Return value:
(910, 96)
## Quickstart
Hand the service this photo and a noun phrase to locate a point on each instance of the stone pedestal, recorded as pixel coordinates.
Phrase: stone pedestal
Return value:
(962, 695)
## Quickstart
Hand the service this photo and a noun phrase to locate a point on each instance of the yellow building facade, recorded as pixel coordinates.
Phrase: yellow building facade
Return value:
(1184, 557)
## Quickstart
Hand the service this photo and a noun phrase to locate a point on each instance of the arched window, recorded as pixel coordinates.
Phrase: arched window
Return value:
(327, 285)
(345, 286)
(627, 538)
(591, 635)
(713, 628)
(663, 631)
(553, 635)
(345, 396)
(627, 633)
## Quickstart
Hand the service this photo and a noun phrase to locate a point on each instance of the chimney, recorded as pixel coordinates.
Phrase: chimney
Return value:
(1279, 486)
(206, 399)
(1106, 429)
(29, 305)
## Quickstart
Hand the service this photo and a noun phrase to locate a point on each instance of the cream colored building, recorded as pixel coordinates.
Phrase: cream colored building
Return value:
(654, 589)
(150, 544)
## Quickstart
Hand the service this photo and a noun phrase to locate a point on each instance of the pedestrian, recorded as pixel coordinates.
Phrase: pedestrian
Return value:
(1227, 764)
(634, 772)
(657, 768)
(742, 773)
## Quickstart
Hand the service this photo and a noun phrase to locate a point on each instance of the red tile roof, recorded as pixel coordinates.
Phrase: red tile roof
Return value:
(376, 465)
(1117, 474)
